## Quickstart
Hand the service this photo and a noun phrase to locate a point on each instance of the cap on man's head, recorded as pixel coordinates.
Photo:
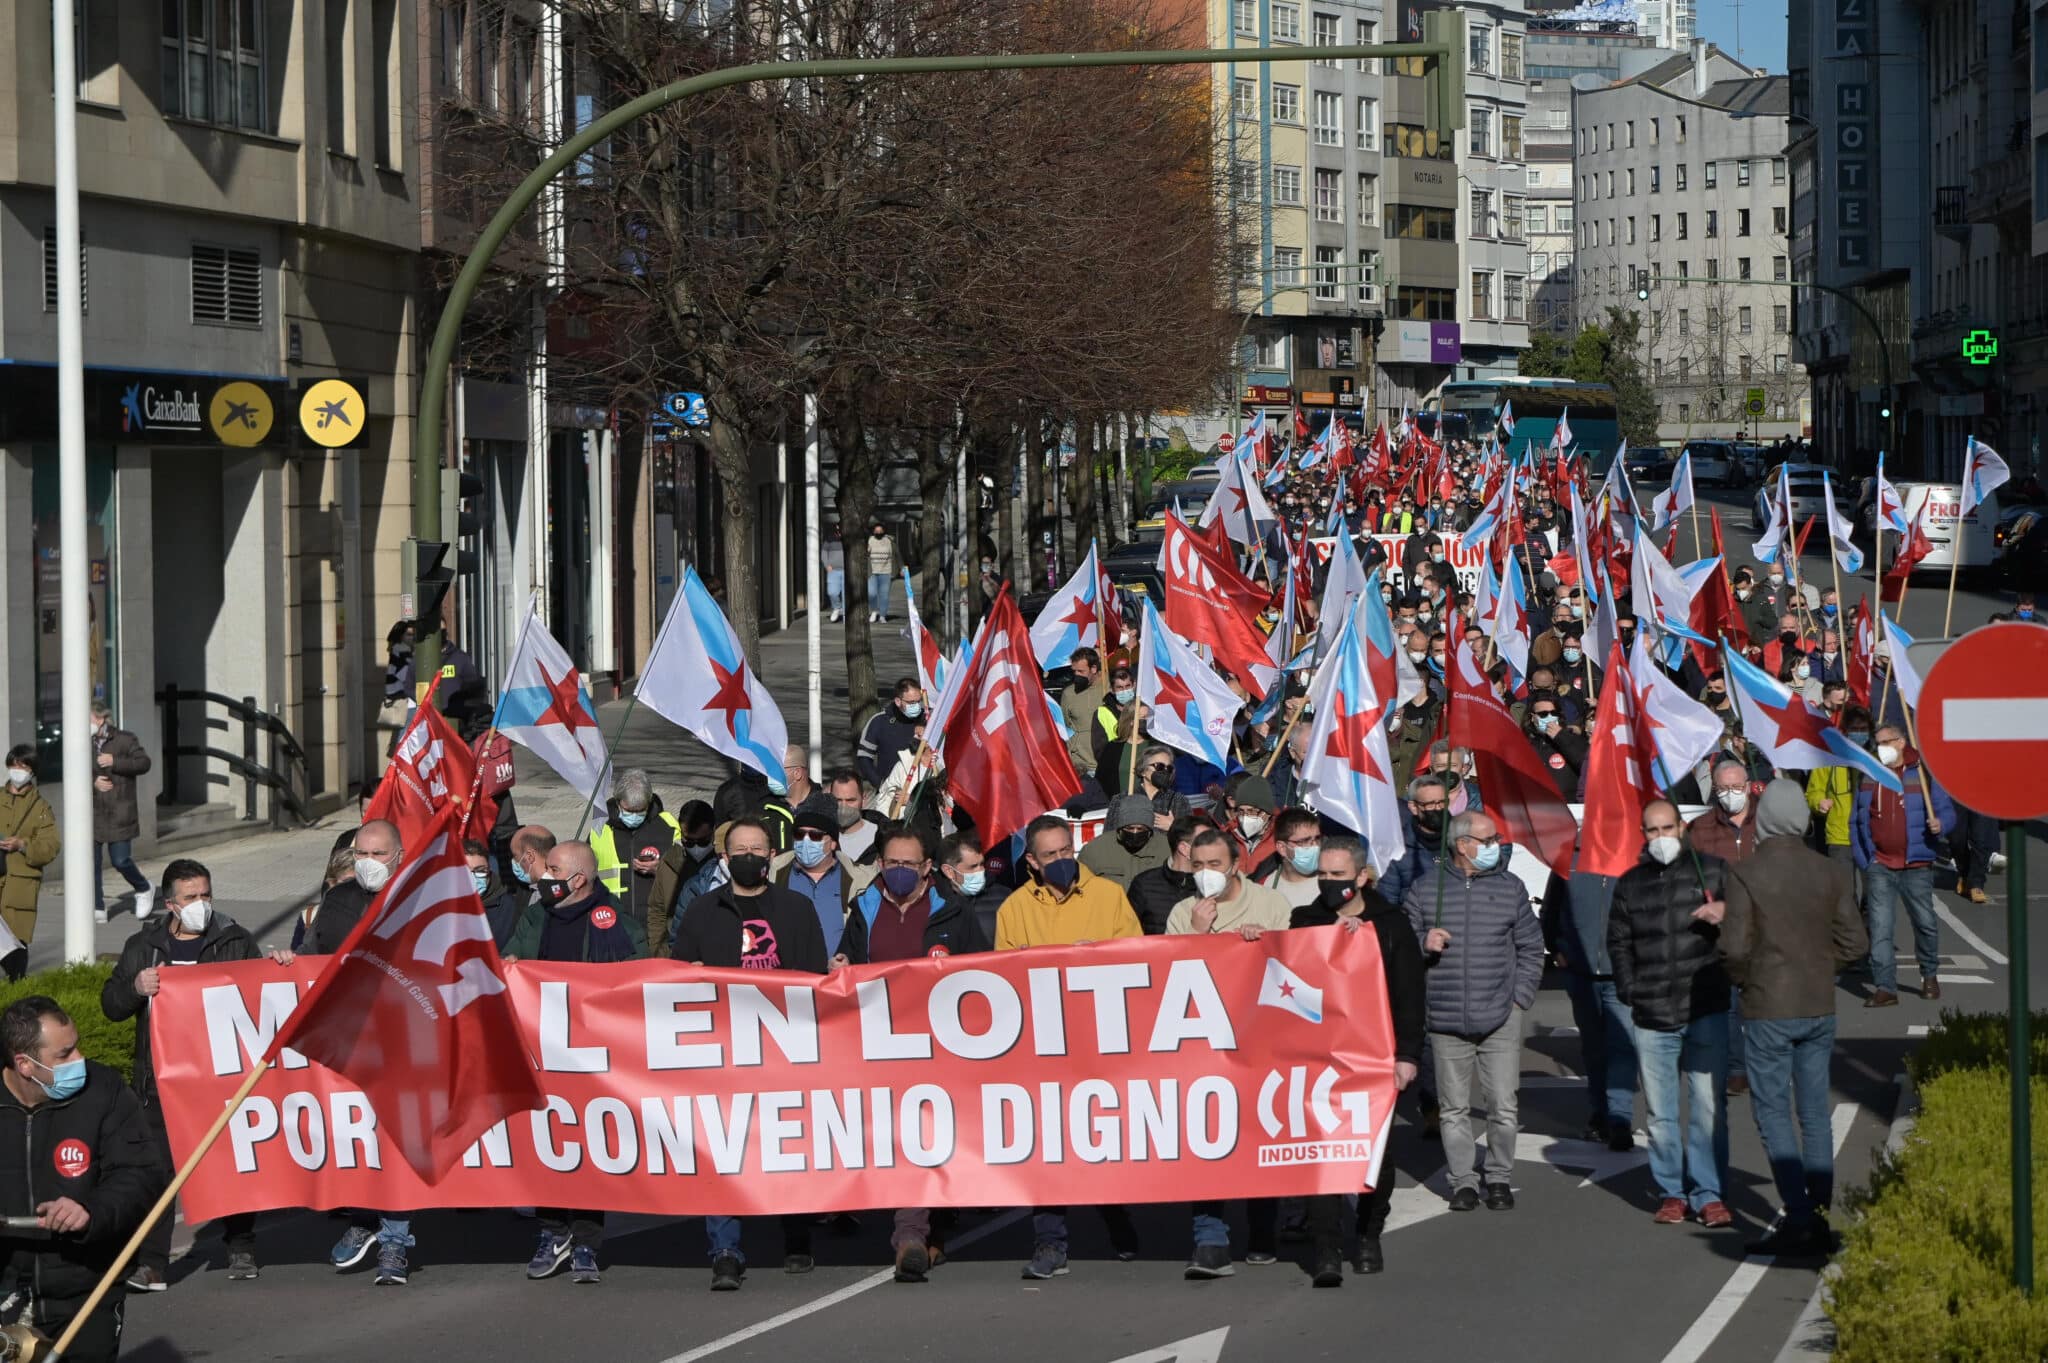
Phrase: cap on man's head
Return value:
(1128, 811)
(1257, 793)
(818, 813)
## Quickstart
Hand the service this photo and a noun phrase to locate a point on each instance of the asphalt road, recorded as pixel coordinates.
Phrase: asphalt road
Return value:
(1576, 1271)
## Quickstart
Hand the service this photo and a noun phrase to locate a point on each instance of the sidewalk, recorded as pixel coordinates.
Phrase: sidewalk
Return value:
(261, 879)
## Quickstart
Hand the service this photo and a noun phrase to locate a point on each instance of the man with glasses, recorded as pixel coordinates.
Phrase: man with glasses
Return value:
(1429, 802)
(1485, 954)
(1155, 764)
(905, 916)
(817, 873)
(1298, 839)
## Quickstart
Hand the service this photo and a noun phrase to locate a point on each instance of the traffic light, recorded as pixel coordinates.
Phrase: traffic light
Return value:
(1884, 405)
(424, 581)
(461, 520)
(1444, 83)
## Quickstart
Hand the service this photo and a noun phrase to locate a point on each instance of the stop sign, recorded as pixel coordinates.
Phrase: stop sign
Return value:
(1226, 443)
(1984, 720)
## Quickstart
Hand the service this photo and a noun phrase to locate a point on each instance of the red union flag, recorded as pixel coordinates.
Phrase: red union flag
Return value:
(1208, 601)
(1520, 793)
(413, 1010)
(1006, 762)
(1119, 1072)
(1619, 781)
(431, 770)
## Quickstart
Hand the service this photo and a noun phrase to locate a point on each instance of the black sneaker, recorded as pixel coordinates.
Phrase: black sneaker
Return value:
(1464, 1199)
(913, 1262)
(1499, 1198)
(726, 1272)
(1329, 1271)
(1620, 1137)
(1123, 1233)
(1369, 1258)
(1432, 1113)
(1210, 1261)
(798, 1263)
(1791, 1242)
(241, 1266)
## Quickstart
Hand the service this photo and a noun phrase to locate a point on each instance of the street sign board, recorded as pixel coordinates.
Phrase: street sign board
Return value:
(687, 408)
(1984, 720)
(1753, 402)
(1225, 443)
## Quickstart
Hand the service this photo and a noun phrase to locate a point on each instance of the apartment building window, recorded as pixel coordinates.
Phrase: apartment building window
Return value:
(1684, 323)
(227, 286)
(1271, 348)
(1480, 124)
(1684, 373)
(1656, 179)
(1610, 184)
(1425, 305)
(1511, 217)
(1368, 200)
(1413, 140)
(1631, 229)
(1329, 119)
(1657, 368)
(1679, 171)
(1287, 186)
(1368, 276)
(1684, 272)
(1610, 137)
(1630, 183)
(1286, 23)
(1482, 212)
(1323, 33)
(1742, 222)
(1561, 265)
(1244, 98)
(1482, 295)
(1286, 265)
(1329, 196)
(1745, 362)
(1564, 217)
(1510, 56)
(1713, 223)
(1681, 226)
(1781, 317)
(1287, 104)
(1539, 263)
(1629, 127)
(1244, 175)
(1778, 220)
(1714, 268)
(1479, 44)
(1367, 32)
(1777, 170)
(1656, 227)
(1778, 269)
(50, 270)
(1328, 258)
(1780, 364)
(1655, 129)
(1511, 136)
(1713, 174)
(1514, 289)
(1742, 174)
(1744, 323)
(1244, 16)
(338, 50)
(1742, 267)
(1614, 279)
(213, 63)
(1368, 124)
(1536, 219)
(1684, 408)
(1681, 130)
(1413, 222)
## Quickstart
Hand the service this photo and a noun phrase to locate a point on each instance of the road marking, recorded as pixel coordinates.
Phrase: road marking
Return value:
(1552, 1081)
(1207, 1348)
(1991, 953)
(1919, 1029)
(1964, 979)
(846, 1293)
(1985, 719)
(1693, 1345)
(1965, 961)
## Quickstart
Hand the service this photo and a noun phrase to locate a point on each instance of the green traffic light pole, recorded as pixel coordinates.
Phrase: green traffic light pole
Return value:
(1884, 354)
(1444, 49)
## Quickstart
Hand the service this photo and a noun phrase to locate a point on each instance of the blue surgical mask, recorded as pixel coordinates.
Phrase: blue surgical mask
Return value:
(1572, 655)
(809, 852)
(632, 818)
(65, 1080)
(1828, 610)
(1487, 857)
(912, 709)
(1126, 694)
(482, 877)
(521, 874)
(974, 882)
(1304, 860)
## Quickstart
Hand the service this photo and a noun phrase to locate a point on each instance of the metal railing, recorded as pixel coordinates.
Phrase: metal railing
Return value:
(285, 772)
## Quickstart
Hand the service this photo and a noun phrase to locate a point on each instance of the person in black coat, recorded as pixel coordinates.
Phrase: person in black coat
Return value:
(1344, 896)
(1561, 750)
(187, 932)
(378, 855)
(1154, 892)
(963, 876)
(75, 1154)
(501, 905)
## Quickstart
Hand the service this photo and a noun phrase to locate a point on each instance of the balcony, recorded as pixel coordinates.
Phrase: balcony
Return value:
(1951, 211)
(2001, 187)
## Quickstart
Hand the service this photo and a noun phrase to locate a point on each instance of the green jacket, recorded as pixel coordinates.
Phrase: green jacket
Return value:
(525, 943)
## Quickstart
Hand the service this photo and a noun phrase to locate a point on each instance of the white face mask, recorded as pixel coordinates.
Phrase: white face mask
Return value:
(1417, 658)
(1209, 884)
(1734, 801)
(18, 778)
(1889, 754)
(193, 916)
(1665, 850)
(1252, 824)
(371, 874)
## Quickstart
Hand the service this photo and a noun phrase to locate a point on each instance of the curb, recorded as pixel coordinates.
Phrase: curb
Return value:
(1813, 1335)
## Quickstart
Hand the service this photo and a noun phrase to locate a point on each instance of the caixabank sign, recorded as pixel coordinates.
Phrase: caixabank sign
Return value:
(128, 406)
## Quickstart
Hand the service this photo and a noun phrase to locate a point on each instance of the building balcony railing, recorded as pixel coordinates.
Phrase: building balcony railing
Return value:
(1949, 205)
(2000, 187)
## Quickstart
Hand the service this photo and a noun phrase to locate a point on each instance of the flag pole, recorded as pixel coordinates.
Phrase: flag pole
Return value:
(583, 824)
(163, 1205)
(1955, 561)
(1281, 744)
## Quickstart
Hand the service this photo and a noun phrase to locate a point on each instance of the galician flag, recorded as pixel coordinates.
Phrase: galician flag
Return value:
(546, 709)
(1191, 707)
(698, 680)
(1983, 471)
(1071, 617)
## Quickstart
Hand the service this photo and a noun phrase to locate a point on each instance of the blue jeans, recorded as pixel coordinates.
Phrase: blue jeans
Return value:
(724, 1234)
(1606, 1046)
(1882, 889)
(391, 1230)
(878, 592)
(1049, 1227)
(1693, 1060)
(835, 589)
(121, 856)
(1788, 1075)
(1736, 1063)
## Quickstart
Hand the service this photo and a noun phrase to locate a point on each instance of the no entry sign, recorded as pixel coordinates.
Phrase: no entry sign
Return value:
(1984, 720)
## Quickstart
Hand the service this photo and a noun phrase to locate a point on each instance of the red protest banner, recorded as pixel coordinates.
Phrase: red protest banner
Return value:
(1118, 1072)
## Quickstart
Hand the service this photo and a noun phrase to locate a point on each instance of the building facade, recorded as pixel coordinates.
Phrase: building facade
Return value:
(1684, 217)
(250, 221)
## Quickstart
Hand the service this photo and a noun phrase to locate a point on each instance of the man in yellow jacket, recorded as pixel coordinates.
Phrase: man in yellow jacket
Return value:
(1831, 792)
(1065, 904)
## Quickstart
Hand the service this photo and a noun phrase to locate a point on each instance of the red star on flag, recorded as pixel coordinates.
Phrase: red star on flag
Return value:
(1081, 616)
(1237, 491)
(731, 695)
(1286, 990)
(1348, 741)
(565, 703)
(1174, 694)
(1797, 721)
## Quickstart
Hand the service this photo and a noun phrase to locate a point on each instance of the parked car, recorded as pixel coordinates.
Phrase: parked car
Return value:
(1804, 487)
(1714, 463)
(1651, 464)
(1750, 459)
(2021, 551)
(1191, 493)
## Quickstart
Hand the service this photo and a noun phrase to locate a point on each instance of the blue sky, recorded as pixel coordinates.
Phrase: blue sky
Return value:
(1762, 27)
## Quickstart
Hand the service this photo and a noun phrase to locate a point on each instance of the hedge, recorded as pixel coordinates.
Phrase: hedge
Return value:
(1925, 1270)
(77, 988)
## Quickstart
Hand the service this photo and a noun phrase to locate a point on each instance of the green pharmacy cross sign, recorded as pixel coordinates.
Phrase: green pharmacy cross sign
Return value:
(1980, 347)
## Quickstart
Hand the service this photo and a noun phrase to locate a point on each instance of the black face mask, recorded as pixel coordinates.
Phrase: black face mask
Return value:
(1430, 821)
(1335, 894)
(552, 891)
(747, 870)
(1134, 840)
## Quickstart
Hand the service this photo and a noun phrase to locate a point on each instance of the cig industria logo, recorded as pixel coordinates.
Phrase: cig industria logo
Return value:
(145, 407)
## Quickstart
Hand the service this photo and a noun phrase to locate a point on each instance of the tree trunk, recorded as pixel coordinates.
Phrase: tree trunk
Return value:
(1081, 510)
(1024, 568)
(934, 486)
(742, 594)
(856, 516)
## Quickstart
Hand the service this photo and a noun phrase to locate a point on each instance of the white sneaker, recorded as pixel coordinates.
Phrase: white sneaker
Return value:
(1997, 862)
(99, 915)
(145, 900)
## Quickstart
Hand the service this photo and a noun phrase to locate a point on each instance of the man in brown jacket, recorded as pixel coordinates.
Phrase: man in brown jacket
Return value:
(117, 759)
(1791, 923)
(1727, 830)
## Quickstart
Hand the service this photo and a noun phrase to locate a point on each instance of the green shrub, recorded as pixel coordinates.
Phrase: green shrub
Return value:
(1973, 1041)
(1925, 1271)
(77, 988)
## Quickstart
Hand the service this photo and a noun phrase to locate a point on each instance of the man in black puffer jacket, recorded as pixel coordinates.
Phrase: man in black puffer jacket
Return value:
(1155, 891)
(1663, 938)
(75, 1153)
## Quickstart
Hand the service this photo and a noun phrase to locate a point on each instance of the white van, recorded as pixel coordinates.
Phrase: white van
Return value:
(1943, 501)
